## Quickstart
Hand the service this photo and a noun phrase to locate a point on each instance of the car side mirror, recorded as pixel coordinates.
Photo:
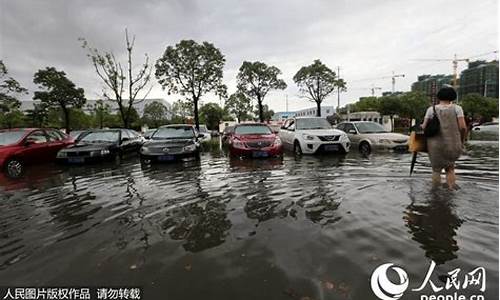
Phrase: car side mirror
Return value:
(351, 131)
(200, 135)
(125, 139)
(283, 127)
(28, 142)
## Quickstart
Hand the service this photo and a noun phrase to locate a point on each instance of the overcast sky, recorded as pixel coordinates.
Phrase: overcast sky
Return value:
(367, 39)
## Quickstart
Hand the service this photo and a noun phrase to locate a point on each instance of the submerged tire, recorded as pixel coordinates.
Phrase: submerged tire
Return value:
(296, 148)
(14, 168)
(365, 148)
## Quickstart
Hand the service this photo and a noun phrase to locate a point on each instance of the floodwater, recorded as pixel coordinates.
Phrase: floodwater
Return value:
(313, 227)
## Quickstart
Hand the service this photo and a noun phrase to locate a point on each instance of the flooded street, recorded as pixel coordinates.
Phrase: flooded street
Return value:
(315, 226)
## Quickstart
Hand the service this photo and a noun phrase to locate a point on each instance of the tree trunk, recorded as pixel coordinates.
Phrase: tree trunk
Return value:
(66, 119)
(196, 117)
(318, 109)
(261, 110)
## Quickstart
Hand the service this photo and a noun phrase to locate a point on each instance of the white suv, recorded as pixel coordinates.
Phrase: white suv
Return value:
(311, 135)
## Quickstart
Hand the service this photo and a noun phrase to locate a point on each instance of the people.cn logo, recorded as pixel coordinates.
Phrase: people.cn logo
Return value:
(383, 288)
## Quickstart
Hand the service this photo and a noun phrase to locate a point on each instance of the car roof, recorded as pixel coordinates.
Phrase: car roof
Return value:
(177, 125)
(251, 124)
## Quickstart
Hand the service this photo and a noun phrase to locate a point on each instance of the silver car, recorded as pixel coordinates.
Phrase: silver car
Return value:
(369, 136)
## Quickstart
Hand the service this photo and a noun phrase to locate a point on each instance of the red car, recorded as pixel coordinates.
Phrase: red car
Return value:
(254, 140)
(19, 147)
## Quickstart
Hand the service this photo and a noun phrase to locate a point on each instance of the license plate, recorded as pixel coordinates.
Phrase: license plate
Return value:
(260, 154)
(166, 157)
(331, 147)
(76, 160)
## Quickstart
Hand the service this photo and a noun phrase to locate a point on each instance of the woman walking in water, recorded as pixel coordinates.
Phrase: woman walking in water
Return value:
(445, 147)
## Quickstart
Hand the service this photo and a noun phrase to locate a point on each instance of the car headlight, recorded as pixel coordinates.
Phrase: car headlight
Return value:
(191, 147)
(104, 152)
(308, 137)
(62, 154)
(237, 144)
(277, 141)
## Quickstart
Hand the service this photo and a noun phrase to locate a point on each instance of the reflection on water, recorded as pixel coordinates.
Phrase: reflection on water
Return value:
(247, 229)
(434, 225)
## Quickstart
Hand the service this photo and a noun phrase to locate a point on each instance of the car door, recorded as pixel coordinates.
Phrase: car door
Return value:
(136, 140)
(286, 134)
(126, 141)
(352, 133)
(55, 143)
(36, 147)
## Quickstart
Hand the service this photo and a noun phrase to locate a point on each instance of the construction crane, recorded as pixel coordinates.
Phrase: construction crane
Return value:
(393, 79)
(373, 88)
(455, 60)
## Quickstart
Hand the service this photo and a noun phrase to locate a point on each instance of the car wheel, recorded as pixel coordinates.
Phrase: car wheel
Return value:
(14, 168)
(365, 148)
(296, 148)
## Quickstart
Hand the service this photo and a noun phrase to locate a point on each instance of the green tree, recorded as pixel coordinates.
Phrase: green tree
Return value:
(116, 80)
(366, 104)
(100, 111)
(413, 105)
(79, 119)
(58, 91)
(181, 110)
(239, 105)
(38, 115)
(390, 105)
(155, 114)
(211, 114)
(267, 114)
(316, 82)
(10, 89)
(192, 69)
(479, 107)
(256, 79)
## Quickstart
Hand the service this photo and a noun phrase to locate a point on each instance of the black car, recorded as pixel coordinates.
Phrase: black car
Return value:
(172, 142)
(101, 144)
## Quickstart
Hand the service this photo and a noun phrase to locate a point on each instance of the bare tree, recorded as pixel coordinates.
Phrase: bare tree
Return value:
(115, 80)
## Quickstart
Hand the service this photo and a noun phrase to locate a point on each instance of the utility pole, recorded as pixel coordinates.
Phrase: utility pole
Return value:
(338, 95)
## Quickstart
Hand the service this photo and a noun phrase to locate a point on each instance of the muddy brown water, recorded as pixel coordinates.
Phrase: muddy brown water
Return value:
(315, 226)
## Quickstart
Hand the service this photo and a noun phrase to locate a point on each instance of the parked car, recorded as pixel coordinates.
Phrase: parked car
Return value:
(148, 133)
(206, 134)
(254, 140)
(172, 142)
(19, 147)
(226, 134)
(487, 127)
(309, 135)
(77, 134)
(368, 136)
(102, 145)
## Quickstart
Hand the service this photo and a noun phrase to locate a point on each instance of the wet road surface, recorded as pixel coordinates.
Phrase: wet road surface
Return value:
(221, 228)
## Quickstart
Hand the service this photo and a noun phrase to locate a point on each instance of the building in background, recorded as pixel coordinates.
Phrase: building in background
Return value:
(311, 112)
(91, 103)
(281, 116)
(480, 77)
(424, 83)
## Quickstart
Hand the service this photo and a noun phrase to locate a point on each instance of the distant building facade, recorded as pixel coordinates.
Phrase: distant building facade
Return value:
(424, 83)
(91, 103)
(480, 77)
(281, 116)
(311, 112)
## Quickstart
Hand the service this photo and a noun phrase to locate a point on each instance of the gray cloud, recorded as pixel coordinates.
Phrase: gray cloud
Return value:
(368, 39)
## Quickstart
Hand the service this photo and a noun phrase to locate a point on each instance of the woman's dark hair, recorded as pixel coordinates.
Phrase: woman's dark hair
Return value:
(447, 93)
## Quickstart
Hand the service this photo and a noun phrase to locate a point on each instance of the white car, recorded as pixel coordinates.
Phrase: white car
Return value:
(206, 134)
(309, 135)
(368, 136)
(487, 127)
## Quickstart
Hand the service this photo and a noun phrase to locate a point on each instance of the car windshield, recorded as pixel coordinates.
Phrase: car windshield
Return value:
(370, 127)
(312, 123)
(203, 128)
(183, 132)
(10, 137)
(101, 136)
(252, 129)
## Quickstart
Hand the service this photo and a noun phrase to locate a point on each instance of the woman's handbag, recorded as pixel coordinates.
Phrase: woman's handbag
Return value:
(433, 125)
(417, 142)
